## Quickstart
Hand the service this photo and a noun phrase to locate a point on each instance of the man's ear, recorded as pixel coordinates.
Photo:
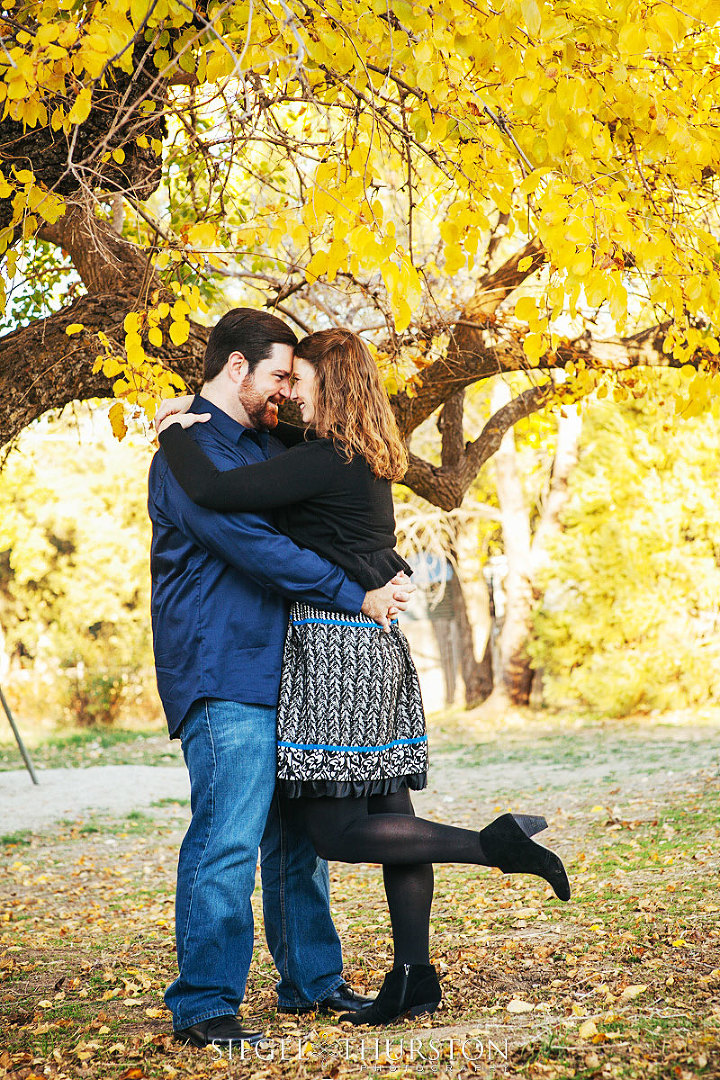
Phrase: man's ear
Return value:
(237, 366)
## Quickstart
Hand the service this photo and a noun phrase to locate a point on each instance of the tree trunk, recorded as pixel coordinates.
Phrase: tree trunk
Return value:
(565, 460)
(525, 558)
(477, 676)
(514, 679)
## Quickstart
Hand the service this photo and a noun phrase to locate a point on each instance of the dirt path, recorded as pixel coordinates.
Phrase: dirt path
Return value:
(66, 794)
(555, 770)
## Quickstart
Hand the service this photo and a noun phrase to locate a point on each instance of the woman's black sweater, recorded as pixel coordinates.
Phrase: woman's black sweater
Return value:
(337, 508)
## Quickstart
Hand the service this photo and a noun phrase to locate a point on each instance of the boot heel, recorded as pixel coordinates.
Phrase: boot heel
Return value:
(530, 823)
(507, 846)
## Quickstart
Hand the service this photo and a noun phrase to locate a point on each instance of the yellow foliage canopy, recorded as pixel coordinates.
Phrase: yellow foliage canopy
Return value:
(356, 141)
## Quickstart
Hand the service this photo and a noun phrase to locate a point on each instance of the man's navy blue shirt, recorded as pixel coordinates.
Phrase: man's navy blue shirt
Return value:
(221, 582)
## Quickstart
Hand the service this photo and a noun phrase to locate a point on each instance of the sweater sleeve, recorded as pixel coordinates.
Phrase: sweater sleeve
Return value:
(288, 434)
(289, 478)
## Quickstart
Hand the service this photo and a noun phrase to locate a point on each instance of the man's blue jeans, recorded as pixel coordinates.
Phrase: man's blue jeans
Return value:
(230, 753)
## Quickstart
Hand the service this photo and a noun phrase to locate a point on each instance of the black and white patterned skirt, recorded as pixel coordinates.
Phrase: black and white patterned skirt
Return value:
(350, 714)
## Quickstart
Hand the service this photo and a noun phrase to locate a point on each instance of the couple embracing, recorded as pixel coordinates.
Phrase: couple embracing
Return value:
(282, 670)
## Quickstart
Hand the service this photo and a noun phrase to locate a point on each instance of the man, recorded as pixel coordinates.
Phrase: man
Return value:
(219, 609)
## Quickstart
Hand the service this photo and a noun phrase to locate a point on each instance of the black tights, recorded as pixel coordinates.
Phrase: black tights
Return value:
(384, 829)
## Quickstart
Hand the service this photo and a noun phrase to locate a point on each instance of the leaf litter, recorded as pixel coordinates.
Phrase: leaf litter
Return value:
(622, 982)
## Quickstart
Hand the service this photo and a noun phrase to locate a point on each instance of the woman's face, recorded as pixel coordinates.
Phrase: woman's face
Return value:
(304, 388)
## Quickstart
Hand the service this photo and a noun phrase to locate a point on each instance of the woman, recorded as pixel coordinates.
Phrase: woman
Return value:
(351, 729)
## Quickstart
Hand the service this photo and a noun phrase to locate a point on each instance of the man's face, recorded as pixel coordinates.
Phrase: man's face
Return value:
(261, 392)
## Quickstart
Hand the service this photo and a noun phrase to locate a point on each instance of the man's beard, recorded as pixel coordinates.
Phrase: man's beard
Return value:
(261, 410)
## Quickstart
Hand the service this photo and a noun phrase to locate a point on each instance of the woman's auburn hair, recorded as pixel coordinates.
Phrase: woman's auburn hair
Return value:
(351, 406)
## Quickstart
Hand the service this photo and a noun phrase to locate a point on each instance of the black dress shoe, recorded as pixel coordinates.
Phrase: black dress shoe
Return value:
(218, 1031)
(344, 999)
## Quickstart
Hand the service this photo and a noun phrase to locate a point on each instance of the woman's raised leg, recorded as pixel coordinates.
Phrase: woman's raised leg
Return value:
(345, 830)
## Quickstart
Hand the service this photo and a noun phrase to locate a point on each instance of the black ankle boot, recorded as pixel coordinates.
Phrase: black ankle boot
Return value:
(408, 990)
(506, 843)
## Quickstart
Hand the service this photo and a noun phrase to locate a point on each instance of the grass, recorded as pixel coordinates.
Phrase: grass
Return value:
(99, 746)
(16, 839)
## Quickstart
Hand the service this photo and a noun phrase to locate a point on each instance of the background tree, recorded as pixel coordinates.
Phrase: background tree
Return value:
(630, 616)
(525, 542)
(74, 581)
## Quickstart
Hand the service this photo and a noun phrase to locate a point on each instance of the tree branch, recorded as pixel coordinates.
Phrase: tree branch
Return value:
(104, 260)
(446, 486)
(468, 358)
(489, 439)
(42, 368)
(450, 426)
(65, 164)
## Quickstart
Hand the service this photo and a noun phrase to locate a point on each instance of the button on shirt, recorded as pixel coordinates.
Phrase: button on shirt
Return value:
(221, 582)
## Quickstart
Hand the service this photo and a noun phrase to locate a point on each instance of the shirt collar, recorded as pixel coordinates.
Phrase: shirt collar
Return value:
(231, 429)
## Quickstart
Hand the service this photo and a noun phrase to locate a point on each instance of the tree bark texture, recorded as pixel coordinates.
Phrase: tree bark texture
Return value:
(42, 368)
(70, 163)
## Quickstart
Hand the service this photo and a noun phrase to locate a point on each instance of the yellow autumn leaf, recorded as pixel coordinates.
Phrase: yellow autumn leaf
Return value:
(116, 416)
(202, 235)
(631, 992)
(534, 346)
(51, 208)
(68, 35)
(632, 39)
(402, 313)
(519, 1006)
(112, 366)
(140, 11)
(179, 332)
(665, 19)
(46, 34)
(588, 1029)
(74, 328)
(531, 15)
(81, 107)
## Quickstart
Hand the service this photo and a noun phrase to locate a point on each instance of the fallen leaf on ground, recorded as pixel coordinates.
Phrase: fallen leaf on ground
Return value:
(517, 1006)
